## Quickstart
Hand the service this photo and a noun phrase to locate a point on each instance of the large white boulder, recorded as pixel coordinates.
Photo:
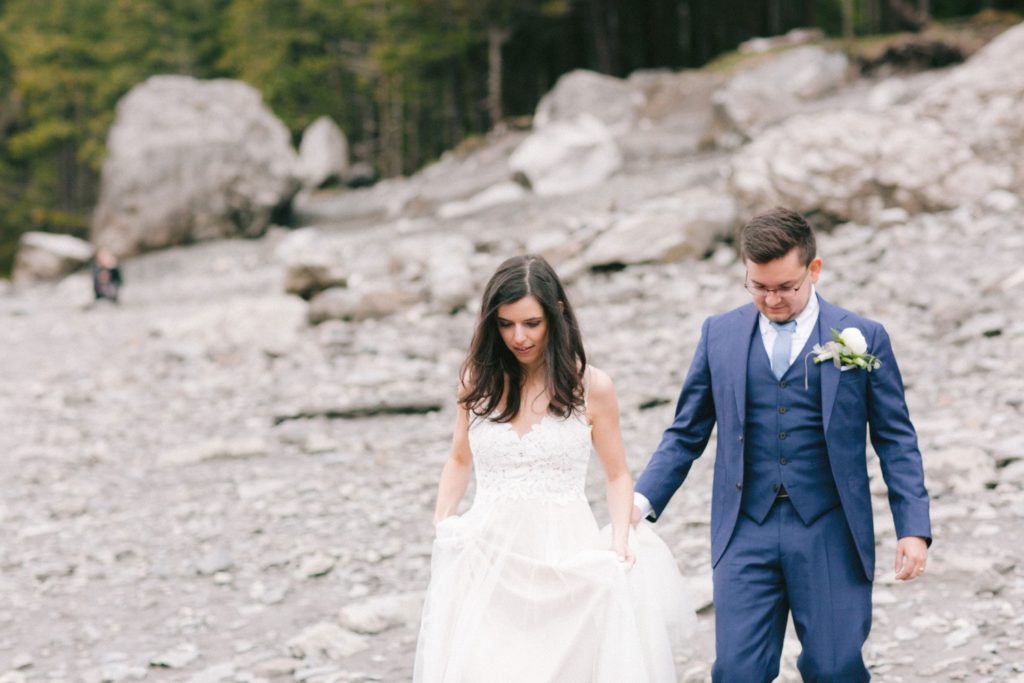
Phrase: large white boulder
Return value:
(854, 165)
(191, 160)
(678, 115)
(613, 101)
(47, 256)
(664, 230)
(323, 153)
(765, 94)
(956, 143)
(982, 102)
(567, 156)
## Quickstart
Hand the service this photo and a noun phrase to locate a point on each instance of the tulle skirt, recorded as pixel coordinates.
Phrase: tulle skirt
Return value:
(528, 591)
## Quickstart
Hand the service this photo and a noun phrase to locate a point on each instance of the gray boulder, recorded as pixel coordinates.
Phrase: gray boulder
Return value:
(767, 93)
(47, 256)
(854, 165)
(361, 301)
(664, 230)
(502, 193)
(567, 156)
(191, 160)
(374, 277)
(613, 101)
(310, 265)
(981, 101)
(323, 153)
(677, 117)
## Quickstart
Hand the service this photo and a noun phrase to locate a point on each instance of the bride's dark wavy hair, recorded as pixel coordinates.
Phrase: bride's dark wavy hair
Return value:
(489, 365)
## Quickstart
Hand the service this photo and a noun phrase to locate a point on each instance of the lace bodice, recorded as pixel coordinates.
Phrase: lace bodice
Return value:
(549, 461)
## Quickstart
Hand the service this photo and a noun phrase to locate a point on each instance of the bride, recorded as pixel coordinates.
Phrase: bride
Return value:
(524, 586)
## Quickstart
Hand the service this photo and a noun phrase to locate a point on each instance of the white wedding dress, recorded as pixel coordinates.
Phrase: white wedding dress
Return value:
(524, 588)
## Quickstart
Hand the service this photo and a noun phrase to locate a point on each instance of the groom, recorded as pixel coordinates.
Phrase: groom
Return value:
(791, 525)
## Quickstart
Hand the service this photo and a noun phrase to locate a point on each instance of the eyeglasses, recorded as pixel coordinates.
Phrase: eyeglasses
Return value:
(759, 292)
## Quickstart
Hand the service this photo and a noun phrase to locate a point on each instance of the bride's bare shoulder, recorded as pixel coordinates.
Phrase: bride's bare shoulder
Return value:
(599, 384)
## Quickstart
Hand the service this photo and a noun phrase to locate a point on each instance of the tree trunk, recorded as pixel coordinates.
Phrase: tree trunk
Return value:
(67, 170)
(613, 22)
(847, 9)
(454, 130)
(700, 29)
(602, 42)
(496, 38)
(389, 104)
(413, 154)
(774, 17)
(810, 15)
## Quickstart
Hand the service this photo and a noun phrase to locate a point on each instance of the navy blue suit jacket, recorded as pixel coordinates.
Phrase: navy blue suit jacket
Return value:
(852, 403)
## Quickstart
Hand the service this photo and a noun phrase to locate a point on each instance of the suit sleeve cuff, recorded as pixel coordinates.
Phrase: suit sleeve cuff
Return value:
(644, 506)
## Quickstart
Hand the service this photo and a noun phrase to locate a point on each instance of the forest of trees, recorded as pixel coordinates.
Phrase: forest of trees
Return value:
(405, 79)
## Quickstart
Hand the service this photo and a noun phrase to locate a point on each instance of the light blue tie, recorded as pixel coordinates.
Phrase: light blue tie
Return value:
(783, 344)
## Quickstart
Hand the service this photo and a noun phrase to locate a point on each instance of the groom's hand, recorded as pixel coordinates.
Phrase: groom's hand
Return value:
(911, 556)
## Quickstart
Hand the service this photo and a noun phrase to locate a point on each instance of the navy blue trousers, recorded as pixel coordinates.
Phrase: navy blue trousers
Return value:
(782, 566)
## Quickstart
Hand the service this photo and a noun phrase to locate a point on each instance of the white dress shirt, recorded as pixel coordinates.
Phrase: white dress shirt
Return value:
(805, 322)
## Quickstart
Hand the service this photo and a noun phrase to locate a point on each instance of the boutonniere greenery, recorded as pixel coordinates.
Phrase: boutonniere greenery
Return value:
(848, 350)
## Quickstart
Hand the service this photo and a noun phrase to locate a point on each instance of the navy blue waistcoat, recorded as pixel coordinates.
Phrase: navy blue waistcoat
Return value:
(785, 439)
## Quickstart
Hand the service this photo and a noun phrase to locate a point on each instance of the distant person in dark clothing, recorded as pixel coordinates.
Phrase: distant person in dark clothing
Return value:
(106, 276)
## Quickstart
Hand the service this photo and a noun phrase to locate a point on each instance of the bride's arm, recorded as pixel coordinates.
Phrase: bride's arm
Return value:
(603, 409)
(457, 470)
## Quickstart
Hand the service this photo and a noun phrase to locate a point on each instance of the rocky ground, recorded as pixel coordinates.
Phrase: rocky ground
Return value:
(200, 485)
(193, 493)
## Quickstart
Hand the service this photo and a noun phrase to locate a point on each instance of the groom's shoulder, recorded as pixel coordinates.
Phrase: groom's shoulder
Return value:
(736, 315)
(850, 318)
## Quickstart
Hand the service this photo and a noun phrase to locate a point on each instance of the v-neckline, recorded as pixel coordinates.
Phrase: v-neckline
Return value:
(529, 429)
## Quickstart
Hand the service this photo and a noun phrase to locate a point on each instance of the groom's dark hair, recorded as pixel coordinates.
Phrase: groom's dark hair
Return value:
(773, 234)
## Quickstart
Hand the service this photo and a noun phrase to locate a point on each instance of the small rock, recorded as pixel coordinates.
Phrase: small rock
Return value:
(280, 666)
(380, 613)
(217, 449)
(215, 674)
(1008, 450)
(268, 595)
(1001, 201)
(883, 597)
(981, 325)
(319, 564)
(904, 633)
(21, 661)
(115, 672)
(49, 256)
(327, 640)
(179, 657)
(961, 636)
(988, 582)
(216, 561)
(1012, 473)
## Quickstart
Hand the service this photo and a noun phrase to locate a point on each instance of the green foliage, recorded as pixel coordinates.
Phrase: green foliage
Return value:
(405, 79)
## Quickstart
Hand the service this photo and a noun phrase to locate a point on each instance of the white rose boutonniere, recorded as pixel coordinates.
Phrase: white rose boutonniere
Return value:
(848, 350)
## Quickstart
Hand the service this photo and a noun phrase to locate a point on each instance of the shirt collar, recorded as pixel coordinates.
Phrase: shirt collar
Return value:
(804, 320)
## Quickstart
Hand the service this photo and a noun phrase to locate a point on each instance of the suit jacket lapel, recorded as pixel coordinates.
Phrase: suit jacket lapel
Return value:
(739, 349)
(829, 318)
